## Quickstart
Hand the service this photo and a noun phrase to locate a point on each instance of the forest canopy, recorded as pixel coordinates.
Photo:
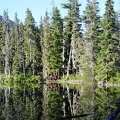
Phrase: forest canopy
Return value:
(86, 45)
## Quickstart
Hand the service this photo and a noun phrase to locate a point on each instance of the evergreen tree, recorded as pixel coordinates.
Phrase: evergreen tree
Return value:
(30, 44)
(76, 35)
(90, 49)
(45, 42)
(41, 30)
(117, 37)
(21, 49)
(38, 65)
(107, 59)
(16, 47)
(72, 29)
(1, 50)
(56, 42)
(14, 34)
(6, 37)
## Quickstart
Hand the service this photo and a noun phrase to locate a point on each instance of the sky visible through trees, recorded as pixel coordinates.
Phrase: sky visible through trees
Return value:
(39, 7)
(85, 45)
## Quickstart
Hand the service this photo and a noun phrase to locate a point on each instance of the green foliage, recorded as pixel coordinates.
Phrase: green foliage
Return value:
(55, 103)
(33, 78)
(56, 42)
(1, 49)
(16, 48)
(115, 79)
(19, 77)
(89, 44)
(6, 47)
(106, 67)
(30, 80)
(59, 45)
(31, 50)
(7, 81)
(72, 77)
(45, 43)
(72, 34)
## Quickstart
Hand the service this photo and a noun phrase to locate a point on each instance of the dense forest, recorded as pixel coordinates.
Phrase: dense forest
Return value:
(86, 45)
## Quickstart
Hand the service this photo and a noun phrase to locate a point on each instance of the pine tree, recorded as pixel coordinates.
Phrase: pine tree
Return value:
(38, 64)
(76, 35)
(117, 37)
(1, 50)
(21, 49)
(30, 45)
(56, 42)
(72, 30)
(106, 62)
(45, 42)
(6, 37)
(41, 29)
(16, 47)
(90, 49)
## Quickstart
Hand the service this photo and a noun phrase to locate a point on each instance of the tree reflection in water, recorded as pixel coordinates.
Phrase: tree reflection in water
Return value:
(56, 102)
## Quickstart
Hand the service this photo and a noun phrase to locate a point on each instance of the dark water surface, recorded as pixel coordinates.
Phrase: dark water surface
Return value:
(32, 101)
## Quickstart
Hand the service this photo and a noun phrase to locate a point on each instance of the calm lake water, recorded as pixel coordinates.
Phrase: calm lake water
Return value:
(32, 101)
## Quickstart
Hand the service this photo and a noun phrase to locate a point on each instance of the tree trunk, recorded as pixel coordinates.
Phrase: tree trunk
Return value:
(7, 55)
(68, 67)
(63, 57)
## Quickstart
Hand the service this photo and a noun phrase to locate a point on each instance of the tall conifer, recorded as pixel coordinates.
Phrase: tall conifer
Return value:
(56, 42)
(30, 45)
(91, 20)
(106, 62)
(6, 32)
(72, 30)
(1, 50)
(45, 42)
(16, 47)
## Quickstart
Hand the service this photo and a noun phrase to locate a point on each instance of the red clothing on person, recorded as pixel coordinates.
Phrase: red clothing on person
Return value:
(58, 76)
(53, 76)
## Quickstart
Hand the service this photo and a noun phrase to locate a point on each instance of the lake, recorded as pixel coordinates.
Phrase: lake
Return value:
(55, 101)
